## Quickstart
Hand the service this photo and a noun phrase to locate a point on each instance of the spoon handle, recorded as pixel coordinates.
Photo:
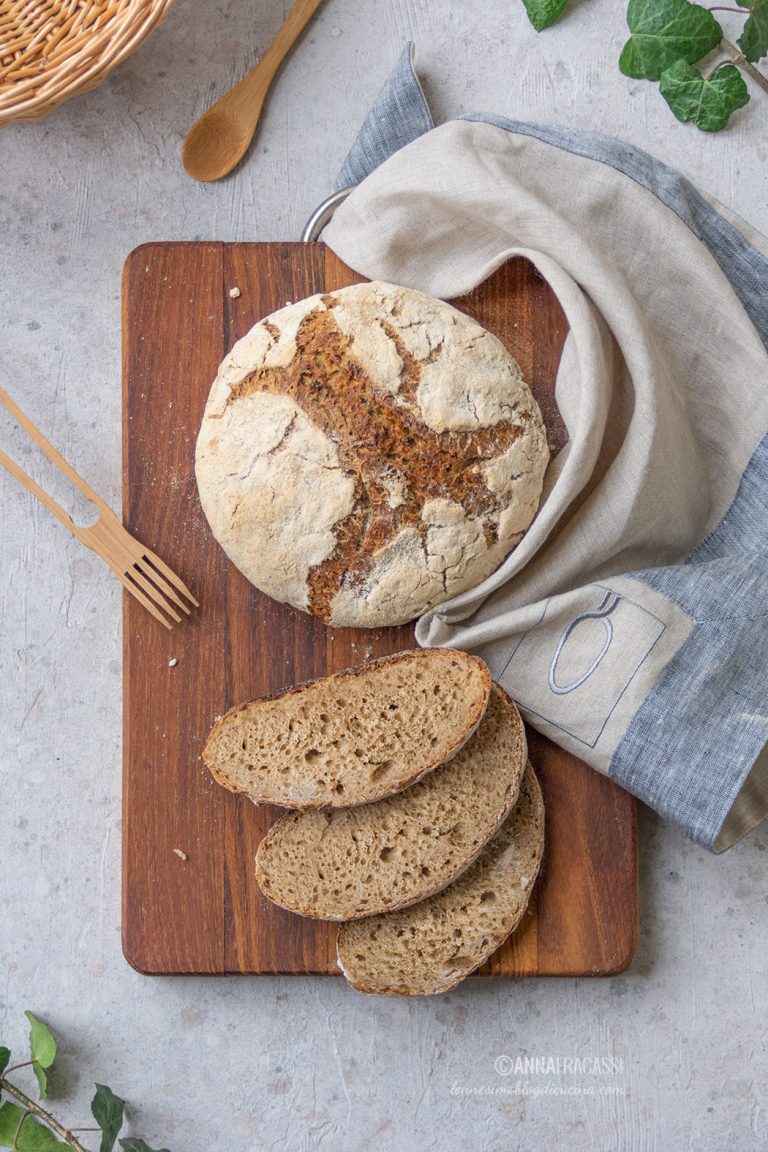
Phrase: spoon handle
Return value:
(249, 93)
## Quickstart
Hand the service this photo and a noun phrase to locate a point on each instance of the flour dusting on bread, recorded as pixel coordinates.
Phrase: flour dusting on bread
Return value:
(368, 453)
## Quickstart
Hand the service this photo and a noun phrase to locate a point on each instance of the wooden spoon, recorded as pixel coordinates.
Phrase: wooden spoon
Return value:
(220, 138)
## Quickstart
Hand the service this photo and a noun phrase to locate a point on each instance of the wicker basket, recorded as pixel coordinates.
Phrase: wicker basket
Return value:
(52, 49)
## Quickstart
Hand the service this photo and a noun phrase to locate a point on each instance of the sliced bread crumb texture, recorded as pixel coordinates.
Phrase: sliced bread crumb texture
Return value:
(433, 945)
(350, 862)
(354, 737)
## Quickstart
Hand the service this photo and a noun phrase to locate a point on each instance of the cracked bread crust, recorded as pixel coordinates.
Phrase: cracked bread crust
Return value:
(368, 453)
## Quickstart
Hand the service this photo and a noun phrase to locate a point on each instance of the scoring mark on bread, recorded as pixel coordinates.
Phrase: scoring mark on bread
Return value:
(367, 453)
(399, 466)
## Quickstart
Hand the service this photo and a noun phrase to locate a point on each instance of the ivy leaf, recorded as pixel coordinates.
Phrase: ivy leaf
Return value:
(663, 32)
(43, 1048)
(542, 13)
(33, 1136)
(707, 103)
(754, 39)
(107, 1109)
(5, 1058)
(134, 1144)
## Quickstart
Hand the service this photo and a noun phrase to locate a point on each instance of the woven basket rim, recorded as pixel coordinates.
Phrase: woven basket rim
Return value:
(125, 25)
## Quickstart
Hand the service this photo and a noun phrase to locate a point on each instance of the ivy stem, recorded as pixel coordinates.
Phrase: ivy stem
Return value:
(15, 1145)
(41, 1114)
(717, 67)
(13, 1067)
(740, 60)
(726, 8)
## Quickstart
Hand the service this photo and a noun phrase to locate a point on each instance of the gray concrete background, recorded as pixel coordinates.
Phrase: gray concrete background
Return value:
(300, 1064)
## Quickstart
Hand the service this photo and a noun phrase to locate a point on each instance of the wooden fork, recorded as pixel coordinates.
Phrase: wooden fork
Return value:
(140, 571)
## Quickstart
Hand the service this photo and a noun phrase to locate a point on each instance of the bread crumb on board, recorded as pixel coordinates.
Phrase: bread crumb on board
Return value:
(181, 855)
(172, 662)
(234, 293)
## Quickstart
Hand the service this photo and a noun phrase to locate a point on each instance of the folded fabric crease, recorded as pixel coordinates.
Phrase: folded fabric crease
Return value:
(630, 622)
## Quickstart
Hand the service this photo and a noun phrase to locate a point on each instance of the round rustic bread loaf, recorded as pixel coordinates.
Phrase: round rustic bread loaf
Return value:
(368, 453)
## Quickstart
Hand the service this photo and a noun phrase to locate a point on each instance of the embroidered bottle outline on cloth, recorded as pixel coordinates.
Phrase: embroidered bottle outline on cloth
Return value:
(545, 676)
(610, 601)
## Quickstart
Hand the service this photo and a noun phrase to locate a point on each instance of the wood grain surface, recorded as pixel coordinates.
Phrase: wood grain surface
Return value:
(190, 900)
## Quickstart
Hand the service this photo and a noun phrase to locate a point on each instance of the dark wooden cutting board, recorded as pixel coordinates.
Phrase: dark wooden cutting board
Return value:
(190, 900)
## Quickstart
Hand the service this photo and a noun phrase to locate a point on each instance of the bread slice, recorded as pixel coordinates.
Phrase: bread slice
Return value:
(353, 737)
(431, 946)
(350, 862)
